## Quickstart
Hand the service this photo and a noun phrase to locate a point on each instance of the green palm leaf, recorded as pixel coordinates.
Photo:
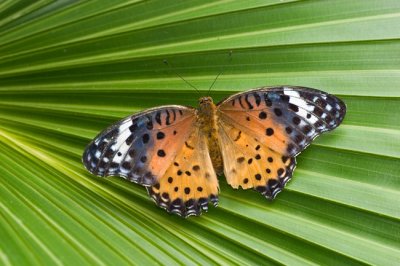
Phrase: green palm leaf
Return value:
(70, 68)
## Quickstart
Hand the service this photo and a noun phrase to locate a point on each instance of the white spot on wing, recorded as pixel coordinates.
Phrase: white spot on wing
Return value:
(303, 113)
(121, 145)
(123, 149)
(291, 92)
(302, 124)
(311, 133)
(122, 138)
(125, 125)
(296, 99)
(123, 170)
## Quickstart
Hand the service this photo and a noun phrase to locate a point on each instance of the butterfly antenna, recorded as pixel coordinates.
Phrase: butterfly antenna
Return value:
(176, 73)
(219, 74)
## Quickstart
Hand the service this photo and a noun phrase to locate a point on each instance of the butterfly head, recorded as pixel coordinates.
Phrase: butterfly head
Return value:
(205, 100)
(206, 106)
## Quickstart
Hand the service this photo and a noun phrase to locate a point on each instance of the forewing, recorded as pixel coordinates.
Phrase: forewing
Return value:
(283, 121)
(142, 146)
(190, 181)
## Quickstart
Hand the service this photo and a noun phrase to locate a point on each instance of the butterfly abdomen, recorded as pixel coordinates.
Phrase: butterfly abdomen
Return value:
(207, 120)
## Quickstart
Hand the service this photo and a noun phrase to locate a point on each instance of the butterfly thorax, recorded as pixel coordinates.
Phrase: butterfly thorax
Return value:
(207, 121)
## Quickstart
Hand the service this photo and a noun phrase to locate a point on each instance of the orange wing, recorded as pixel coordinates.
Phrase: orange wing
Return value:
(250, 163)
(141, 147)
(262, 130)
(190, 181)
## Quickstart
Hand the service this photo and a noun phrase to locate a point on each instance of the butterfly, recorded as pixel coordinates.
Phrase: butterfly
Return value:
(252, 138)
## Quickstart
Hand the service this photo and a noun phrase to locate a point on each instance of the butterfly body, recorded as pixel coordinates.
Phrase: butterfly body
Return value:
(207, 120)
(251, 137)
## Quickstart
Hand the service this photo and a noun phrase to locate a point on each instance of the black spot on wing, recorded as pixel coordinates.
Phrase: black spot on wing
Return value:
(173, 115)
(257, 98)
(158, 118)
(248, 102)
(167, 119)
(240, 102)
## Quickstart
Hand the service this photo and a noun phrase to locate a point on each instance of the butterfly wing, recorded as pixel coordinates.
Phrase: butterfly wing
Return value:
(190, 181)
(262, 130)
(140, 147)
(164, 149)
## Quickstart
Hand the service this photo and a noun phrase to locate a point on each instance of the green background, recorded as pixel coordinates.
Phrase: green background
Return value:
(70, 68)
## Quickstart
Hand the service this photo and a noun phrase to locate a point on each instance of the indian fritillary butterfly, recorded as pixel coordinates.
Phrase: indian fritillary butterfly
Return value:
(252, 138)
